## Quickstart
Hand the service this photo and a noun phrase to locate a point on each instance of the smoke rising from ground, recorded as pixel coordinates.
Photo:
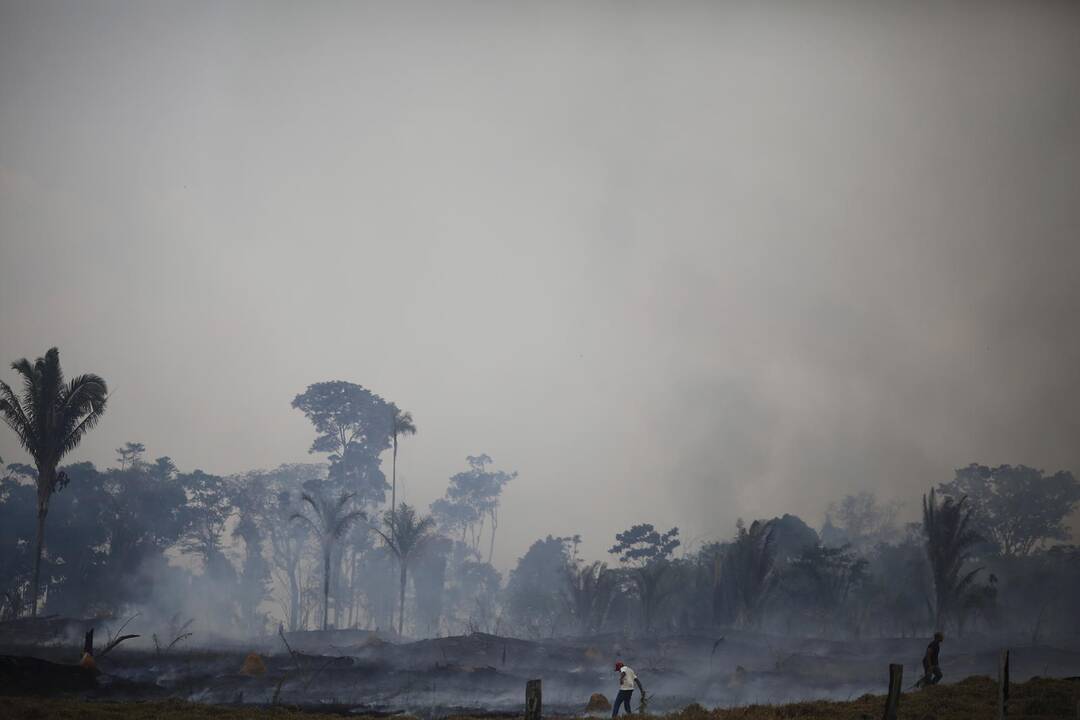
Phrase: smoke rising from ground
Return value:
(675, 265)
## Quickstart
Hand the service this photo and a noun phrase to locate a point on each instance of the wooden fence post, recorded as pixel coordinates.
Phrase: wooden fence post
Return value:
(534, 706)
(896, 681)
(1003, 685)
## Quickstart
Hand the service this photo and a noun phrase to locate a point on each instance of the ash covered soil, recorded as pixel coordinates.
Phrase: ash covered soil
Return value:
(361, 672)
(970, 699)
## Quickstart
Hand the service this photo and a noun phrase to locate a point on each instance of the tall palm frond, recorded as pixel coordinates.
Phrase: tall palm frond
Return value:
(950, 544)
(406, 534)
(403, 423)
(330, 521)
(16, 418)
(50, 418)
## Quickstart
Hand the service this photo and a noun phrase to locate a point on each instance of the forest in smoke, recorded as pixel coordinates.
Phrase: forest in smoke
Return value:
(324, 545)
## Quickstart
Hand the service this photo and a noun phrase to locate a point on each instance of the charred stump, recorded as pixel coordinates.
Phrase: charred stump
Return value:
(534, 706)
(892, 703)
(1003, 685)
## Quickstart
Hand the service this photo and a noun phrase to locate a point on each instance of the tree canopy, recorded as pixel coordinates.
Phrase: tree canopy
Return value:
(354, 426)
(1016, 507)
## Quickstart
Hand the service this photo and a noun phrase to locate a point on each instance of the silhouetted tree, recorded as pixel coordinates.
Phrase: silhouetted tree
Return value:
(402, 423)
(475, 593)
(647, 554)
(905, 583)
(406, 534)
(791, 537)
(588, 586)
(141, 516)
(473, 497)
(210, 506)
(455, 517)
(1017, 508)
(822, 580)
(535, 596)
(354, 426)
(108, 531)
(50, 418)
(16, 537)
(250, 495)
(429, 583)
(285, 484)
(950, 540)
(747, 571)
(329, 521)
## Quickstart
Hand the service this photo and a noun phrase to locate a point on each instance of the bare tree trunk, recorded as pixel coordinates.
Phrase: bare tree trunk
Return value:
(389, 600)
(494, 525)
(401, 601)
(393, 519)
(294, 598)
(896, 683)
(478, 534)
(326, 589)
(40, 542)
(352, 589)
(393, 495)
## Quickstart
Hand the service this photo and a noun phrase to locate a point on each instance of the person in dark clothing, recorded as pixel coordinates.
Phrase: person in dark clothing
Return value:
(931, 662)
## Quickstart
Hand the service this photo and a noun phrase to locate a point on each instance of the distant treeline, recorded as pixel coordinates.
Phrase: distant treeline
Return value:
(321, 545)
(989, 557)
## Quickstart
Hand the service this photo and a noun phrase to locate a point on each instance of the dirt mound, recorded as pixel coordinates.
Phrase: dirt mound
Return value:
(253, 666)
(598, 703)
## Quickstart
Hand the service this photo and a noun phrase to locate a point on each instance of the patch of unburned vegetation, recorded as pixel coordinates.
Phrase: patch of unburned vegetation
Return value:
(970, 699)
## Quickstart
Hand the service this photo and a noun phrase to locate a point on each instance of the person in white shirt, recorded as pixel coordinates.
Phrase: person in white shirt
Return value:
(627, 681)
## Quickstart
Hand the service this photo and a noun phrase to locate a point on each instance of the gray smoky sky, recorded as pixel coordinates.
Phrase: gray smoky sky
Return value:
(674, 262)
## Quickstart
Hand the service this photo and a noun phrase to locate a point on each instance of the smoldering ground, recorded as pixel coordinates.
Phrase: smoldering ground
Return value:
(484, 673)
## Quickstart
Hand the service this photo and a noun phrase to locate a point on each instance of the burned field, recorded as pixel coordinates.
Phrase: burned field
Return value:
(359, 672)
(971, 699)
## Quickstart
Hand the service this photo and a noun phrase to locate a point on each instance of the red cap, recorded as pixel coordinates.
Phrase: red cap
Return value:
(619, 666)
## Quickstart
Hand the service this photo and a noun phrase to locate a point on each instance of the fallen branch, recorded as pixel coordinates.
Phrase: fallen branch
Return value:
(296, 659)
(277, 689)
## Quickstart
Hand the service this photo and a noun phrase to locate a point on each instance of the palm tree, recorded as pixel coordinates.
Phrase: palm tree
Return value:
(330, 522)
(950, 542)
(588, 587)
(408, 534)
(50, 418)
(402, 424)
(747, 571)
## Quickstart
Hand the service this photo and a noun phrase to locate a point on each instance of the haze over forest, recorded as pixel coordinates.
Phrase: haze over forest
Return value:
(672, 268)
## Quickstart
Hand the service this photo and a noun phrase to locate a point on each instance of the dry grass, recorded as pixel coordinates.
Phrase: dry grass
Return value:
(971, 699)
